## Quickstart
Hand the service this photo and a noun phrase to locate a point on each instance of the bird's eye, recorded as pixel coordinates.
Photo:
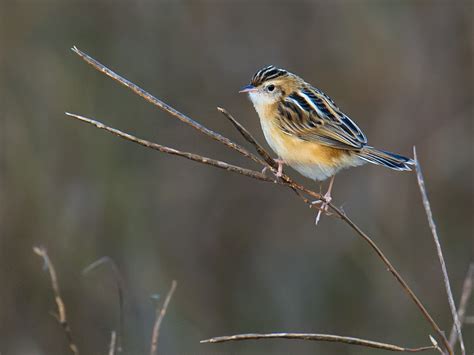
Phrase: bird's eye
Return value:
(270, 87)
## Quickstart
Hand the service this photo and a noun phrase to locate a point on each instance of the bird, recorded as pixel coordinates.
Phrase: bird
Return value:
(308, 131)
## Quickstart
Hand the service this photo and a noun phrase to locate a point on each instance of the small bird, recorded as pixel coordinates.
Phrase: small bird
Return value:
(308, 132)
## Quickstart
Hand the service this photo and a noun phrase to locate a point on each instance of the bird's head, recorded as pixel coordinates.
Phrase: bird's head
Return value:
(269, 85)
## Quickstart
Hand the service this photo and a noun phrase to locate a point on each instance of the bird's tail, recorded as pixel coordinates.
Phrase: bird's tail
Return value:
(387, 159)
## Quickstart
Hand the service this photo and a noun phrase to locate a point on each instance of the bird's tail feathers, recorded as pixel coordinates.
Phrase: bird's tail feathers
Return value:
(387, 159)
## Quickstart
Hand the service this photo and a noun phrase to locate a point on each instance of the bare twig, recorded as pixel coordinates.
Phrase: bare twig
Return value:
(119, 285)
(113, 341)
(465, 295)
(267, 160)
(191, 156)
(249, 138)
(165, 107)
(61, 316)
(434, 232)
(397, 276)
(435, 344)
(318, 337)
(160, 314)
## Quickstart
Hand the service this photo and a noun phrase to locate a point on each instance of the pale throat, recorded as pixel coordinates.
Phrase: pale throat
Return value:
(262, 103)
(265, 107)
(258, 98)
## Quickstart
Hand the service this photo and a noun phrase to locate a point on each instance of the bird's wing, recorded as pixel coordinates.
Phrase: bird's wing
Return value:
(311, 115)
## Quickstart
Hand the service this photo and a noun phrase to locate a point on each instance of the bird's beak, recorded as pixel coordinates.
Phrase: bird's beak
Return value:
(248, 88)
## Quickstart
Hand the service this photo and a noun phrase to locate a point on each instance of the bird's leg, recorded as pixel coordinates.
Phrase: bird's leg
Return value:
(327, 198)
(280, 163)
(279, 172)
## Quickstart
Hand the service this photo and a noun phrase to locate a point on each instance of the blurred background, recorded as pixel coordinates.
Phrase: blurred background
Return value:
(246, 254)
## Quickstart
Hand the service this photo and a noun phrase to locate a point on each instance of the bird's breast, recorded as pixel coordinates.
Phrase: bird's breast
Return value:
(310, 158)
(295, 150)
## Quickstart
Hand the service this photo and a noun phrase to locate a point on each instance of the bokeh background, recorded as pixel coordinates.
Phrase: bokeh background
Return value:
(246, 254)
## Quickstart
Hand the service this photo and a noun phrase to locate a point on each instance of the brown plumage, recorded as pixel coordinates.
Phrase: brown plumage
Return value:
(307, 130)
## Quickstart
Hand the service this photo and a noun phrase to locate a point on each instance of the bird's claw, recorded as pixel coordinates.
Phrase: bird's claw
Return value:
(324, 208)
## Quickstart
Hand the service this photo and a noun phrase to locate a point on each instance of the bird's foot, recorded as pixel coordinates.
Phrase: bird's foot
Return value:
(325, 201)
(324, 208)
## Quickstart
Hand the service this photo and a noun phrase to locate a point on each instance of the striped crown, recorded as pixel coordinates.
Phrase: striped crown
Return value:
(267, 73)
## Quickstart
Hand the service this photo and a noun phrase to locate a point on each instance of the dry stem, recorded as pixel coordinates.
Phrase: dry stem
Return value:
(165, 107)
(249, 138)
(434, 232)
(119, 285)
(168, 150)
(267, 161)
(318, 337)
(61, 316)
(160, 314)
(465, 295)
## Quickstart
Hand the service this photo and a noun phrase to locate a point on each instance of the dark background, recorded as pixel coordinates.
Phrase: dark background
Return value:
(246, 254)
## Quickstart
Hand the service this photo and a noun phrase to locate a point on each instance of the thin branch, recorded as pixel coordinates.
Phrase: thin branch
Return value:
(249, 138)
(119, 285)
(191, 156)
(434, 232)
(465, 296)
(61, 316)
(285, 180)
(318, 337)
(397, 276)
(160, 314)
(113, 341)
(165, 107)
